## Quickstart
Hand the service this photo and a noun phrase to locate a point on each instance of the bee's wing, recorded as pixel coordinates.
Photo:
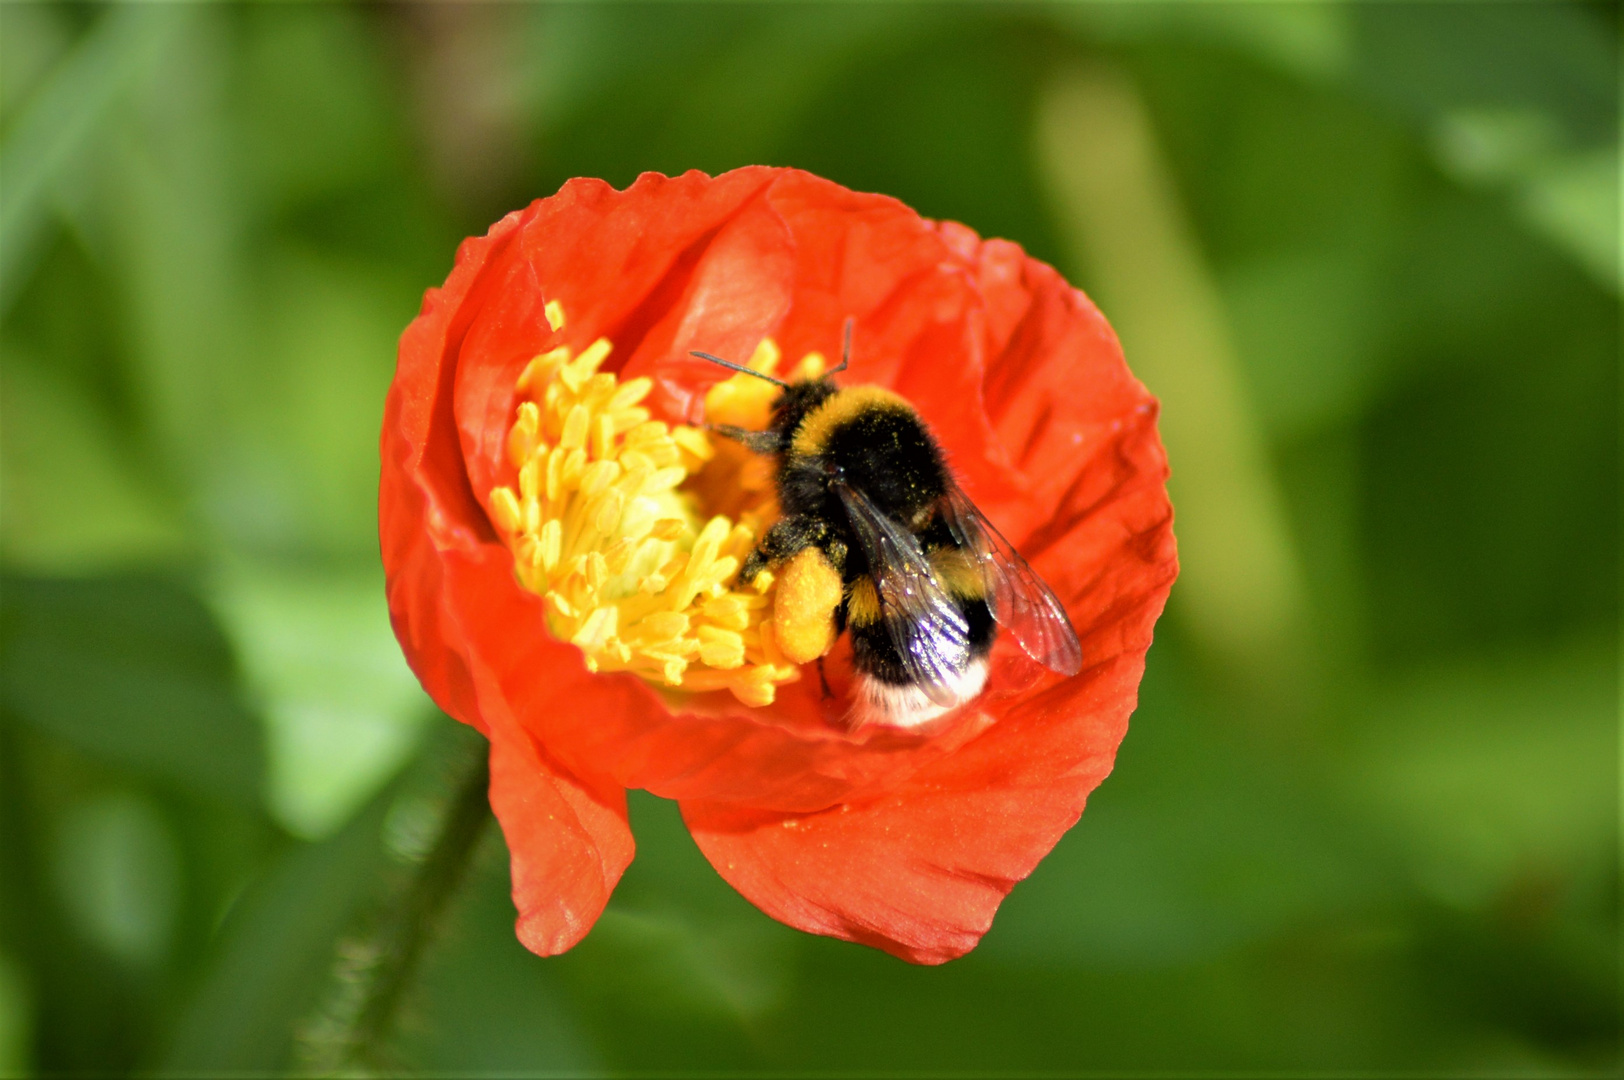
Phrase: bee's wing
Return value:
(1020, 601)
(924, 621)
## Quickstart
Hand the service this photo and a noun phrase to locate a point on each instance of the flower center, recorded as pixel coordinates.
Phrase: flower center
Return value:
(633, 531)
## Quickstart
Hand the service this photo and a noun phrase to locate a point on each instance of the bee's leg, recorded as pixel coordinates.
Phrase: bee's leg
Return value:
(824, 680)
(787, 537)
(758, 442)
(835, 548)
(754, 564)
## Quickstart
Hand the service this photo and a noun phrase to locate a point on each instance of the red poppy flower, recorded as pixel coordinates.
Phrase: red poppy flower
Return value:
(532, 473)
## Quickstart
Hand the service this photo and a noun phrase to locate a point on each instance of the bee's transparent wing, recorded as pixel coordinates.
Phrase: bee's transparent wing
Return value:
(923, 619)
(1020, 601)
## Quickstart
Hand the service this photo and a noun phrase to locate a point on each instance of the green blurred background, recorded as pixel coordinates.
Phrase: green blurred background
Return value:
(1366, 819)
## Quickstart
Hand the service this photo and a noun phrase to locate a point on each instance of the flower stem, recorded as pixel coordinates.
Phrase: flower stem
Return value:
(375, 968)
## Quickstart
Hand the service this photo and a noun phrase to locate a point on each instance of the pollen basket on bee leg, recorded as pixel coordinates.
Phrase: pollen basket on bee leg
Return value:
(809, 590)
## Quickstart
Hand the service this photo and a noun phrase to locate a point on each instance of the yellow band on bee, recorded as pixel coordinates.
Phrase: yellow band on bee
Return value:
(813, 434)
(862, 602)
(954, 567)
(959, 571)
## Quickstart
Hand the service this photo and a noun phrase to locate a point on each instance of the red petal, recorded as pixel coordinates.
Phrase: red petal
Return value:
(921, 871)
(623, 264)
(568, 843)
(426, 508)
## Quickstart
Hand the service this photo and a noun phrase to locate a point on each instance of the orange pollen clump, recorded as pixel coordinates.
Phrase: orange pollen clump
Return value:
(607, 528)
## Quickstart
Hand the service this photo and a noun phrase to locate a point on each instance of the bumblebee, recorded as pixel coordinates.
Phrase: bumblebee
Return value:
(877, 540)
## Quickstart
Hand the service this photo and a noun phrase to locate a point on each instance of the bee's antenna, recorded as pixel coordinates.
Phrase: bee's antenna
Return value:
(739, 368)
(845, 349)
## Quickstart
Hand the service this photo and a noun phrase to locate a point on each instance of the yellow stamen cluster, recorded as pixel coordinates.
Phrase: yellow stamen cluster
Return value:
(606, 529)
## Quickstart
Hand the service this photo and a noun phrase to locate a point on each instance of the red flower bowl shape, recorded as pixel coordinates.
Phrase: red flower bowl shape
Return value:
(903, 839)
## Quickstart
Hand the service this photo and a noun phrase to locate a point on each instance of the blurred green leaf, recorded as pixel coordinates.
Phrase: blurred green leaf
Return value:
(343, 711)
(118, 874)
(1573, 201)
(1199, 844)
(953, 139)
(44, 146)
(175, 223)
(485, 1004)
(275, 951)
(134, 670)
(16, 1019)
(1571, 198)
(1342, 192)
(1486, 770)
(677, 940)
(1312, 39)
(1489, 491)
(36, 37)
(311, 104)
(298, 471)
(679, 969)
(797, 64)
(669, 964)
(1429, 59)
(1308, 324)
(72, 502)
(1524, 94)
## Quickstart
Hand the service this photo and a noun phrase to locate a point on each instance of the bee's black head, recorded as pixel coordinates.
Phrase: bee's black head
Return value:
(798, 401)
(799, 398)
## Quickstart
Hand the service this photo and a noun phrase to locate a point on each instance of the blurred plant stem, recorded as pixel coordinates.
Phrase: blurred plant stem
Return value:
(373, 970)
(1240, 588)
